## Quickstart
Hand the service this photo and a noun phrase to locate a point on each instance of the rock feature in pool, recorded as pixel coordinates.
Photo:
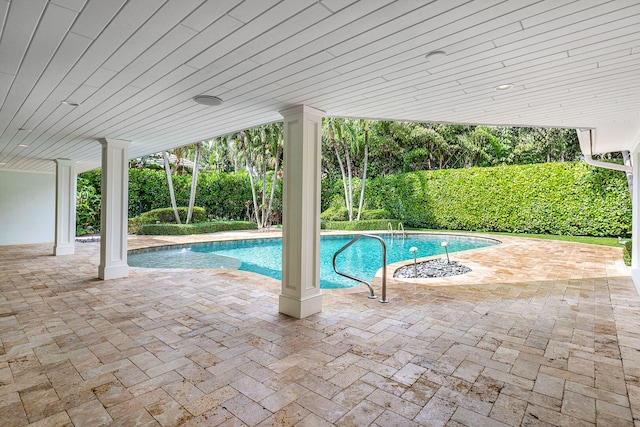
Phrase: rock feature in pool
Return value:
(432, 268)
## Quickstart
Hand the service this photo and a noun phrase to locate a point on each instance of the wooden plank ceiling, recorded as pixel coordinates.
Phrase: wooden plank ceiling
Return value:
(134, 66)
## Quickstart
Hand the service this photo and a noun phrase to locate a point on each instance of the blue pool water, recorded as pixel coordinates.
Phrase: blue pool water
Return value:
(264, 256)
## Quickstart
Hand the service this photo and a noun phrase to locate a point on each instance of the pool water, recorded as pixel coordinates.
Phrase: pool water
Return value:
(264, 256)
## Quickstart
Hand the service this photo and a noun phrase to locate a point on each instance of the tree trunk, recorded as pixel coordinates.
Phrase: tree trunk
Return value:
(364, 169)
(194, 182)
(344, 177)
(627, 161)
(263, 206)
(167, 168)
(347, 158)
(253, 187)
(273, 183)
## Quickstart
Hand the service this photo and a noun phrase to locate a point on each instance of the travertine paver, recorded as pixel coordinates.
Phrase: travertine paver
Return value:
(539, 333)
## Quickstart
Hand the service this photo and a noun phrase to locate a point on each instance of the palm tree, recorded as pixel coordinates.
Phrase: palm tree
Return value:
(363, 179)
(246, 137)
(331, 125)
(276, 143)
(217, 152)
(261, 147)
(167, 168)
(194, 181)
(347, 159)
(180, 153)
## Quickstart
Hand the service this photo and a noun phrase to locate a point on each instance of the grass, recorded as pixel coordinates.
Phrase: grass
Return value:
(604, 241)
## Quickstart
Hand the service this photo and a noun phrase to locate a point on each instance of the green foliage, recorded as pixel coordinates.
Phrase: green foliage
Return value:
(134, 225)
(87, 208)
(335, 214)
(626, 253)
(553, 198)
(339, 213)
(396, 147)
(199, 228)
(375, 214)
(370, 224)
(332, 193)
(222, 195)
(92, 178)
(416, 159)
(166, 215)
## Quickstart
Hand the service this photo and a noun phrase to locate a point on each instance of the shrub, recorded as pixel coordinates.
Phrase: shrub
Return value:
(335, 214)
(199, 228)
(370, 224)
(134, 225)
(626, 253)
(375, 214)
(166, 215)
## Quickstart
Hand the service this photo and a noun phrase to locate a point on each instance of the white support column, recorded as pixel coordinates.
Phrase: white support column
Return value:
(635, 220)
(65, 208)
(301, 295)
(114, 215)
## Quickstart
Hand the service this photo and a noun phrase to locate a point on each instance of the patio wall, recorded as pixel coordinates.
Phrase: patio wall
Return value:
(27, 208)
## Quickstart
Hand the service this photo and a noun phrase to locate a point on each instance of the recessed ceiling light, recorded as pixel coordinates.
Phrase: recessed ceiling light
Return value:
(69, 103)
(2, 163)
(435, 55)
(23, 145)
(504, 87)
(209, 100)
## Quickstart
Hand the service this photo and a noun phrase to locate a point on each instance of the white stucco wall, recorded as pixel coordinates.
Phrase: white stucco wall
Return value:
(27, 208)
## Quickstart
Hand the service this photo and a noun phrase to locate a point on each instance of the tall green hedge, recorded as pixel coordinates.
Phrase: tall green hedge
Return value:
(199, 228)
(223, 195)
(554, 198)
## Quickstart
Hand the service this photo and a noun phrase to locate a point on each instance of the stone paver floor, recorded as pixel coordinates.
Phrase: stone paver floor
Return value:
(540, 333)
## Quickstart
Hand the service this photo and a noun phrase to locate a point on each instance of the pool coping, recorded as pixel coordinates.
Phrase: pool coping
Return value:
(266, 235)
(516, 259)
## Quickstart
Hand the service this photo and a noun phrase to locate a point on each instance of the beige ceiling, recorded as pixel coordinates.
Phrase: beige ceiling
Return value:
(134, 67)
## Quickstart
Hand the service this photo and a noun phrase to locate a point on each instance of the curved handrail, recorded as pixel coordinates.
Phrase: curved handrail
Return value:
(384, 266)
(400, 226)
(390, 228)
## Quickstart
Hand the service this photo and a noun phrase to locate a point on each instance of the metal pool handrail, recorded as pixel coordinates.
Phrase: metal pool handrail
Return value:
(401, 227)
(384, 266)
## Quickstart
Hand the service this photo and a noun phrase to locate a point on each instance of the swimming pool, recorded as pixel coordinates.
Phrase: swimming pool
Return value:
(264, 256)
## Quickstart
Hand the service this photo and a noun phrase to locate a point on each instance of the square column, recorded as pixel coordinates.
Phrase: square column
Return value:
(65, 208)
(301, 295)
(114, 212)
(635, 220)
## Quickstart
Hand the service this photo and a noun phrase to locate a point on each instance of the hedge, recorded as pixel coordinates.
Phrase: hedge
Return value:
(165, 215)
(552, 198)
(626, 253)
(335, 213)
(223, 195)
(342, 214)
(199, 228)
(369, 224)
(375, 214)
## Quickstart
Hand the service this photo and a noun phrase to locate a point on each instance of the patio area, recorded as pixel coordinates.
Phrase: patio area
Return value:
(539, 333)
